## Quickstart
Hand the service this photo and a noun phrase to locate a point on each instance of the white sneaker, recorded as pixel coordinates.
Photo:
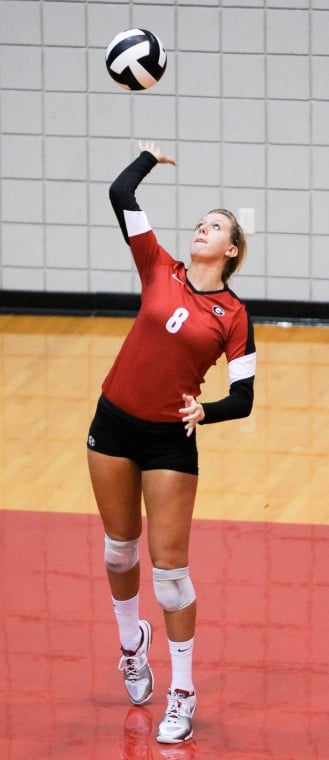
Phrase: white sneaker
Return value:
(137, 674)
(176, 725)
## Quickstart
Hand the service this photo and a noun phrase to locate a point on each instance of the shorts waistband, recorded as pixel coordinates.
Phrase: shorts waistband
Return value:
(147, 424)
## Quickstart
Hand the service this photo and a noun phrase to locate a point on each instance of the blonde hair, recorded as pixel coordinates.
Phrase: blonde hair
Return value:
(238, 239)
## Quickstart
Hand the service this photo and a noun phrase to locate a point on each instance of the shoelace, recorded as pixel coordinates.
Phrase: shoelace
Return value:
(176, 702)
(173, 711)
(131, 666)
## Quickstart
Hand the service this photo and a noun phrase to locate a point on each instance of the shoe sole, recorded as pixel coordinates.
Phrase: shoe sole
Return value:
(162, 740)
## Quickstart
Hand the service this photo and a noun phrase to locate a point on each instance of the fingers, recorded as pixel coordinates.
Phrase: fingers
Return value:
(151, 147)
(147, 145)
(193, 413)
(168, 160)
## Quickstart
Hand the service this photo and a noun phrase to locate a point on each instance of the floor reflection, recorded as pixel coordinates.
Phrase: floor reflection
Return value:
(261, 652)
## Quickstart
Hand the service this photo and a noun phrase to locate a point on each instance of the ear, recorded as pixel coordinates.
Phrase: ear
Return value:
(232, 251)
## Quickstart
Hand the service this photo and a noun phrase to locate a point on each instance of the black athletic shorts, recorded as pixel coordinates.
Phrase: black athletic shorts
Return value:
(152, 445)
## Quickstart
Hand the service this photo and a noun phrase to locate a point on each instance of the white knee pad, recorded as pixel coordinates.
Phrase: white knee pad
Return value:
(173, 588)
(120, 556)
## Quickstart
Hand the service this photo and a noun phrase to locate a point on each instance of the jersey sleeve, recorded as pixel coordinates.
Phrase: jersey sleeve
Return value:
(241, 358)
(134, 224)
(122, 194)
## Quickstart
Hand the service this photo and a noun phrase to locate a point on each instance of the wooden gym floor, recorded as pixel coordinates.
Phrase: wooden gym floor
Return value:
(259, 559)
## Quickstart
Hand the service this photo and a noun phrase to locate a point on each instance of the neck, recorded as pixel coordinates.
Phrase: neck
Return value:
(204, 277)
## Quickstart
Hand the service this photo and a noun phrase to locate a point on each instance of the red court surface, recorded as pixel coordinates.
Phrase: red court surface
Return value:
(261, 654)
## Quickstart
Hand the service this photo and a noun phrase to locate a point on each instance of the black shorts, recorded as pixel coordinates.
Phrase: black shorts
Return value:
(152, 445)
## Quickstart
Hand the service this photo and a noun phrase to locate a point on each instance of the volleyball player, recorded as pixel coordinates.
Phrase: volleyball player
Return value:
(142, 439)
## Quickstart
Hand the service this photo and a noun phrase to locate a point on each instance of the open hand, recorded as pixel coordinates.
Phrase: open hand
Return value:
(151, 147)
(193, 413)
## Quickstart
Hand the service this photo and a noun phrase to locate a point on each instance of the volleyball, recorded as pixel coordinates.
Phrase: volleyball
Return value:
(136, 59)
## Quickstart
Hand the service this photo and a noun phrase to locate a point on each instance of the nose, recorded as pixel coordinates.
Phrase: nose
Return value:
(203, 227)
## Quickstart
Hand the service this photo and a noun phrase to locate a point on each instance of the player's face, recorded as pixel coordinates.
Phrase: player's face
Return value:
(212, 238)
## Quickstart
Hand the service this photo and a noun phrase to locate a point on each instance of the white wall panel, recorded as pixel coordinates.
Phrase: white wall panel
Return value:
(243, 105)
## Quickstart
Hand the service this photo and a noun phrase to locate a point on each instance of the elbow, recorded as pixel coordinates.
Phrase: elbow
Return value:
(244, 395)
(248, 407)
(117, 193)
(245, 408)
(248, 401)
(112, 192)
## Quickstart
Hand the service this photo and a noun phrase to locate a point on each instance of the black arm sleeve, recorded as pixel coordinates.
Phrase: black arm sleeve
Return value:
(122, 190)
(237, 404)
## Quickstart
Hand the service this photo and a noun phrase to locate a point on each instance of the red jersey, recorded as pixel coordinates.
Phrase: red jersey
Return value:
(178, 334)
(179, 331)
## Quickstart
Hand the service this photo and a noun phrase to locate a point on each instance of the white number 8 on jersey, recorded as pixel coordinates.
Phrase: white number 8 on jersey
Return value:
(176, 320)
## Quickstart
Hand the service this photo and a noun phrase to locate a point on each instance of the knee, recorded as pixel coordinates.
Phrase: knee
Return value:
(173, 588)
(120, 556)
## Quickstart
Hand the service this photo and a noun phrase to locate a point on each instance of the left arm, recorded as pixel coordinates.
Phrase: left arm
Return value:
(239, 402)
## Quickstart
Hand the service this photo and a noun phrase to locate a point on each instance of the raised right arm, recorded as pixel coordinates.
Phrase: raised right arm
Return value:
(122, 190)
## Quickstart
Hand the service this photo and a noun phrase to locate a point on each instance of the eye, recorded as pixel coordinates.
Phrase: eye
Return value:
(216, 226)
(198, 225)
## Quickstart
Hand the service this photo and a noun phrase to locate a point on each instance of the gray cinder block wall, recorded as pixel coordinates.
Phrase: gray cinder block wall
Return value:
(243, 105)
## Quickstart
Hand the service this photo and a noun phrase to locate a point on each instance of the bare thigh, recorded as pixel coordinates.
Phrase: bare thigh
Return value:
(169, 500)
(116, 483)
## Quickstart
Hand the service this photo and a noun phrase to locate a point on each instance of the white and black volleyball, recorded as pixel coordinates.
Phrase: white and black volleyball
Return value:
(136, 59)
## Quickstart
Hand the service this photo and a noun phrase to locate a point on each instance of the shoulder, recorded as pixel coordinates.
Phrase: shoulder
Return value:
(234, 297)
(237, 304)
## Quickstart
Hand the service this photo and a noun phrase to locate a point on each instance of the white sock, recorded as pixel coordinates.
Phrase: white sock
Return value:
(127, 616)
(181, 663)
